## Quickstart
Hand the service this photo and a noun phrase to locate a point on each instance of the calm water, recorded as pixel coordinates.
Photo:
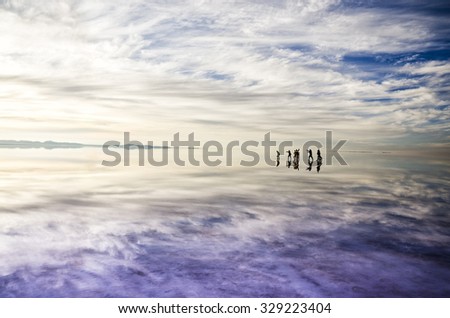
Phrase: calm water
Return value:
(72, 228)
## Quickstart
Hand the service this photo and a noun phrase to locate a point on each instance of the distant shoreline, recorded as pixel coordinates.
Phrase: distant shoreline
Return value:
(28, 144)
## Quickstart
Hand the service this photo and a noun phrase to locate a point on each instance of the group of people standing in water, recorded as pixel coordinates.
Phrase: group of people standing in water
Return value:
(296, 161)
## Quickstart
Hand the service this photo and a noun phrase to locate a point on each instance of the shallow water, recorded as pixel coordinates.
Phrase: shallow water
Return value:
(70, 227)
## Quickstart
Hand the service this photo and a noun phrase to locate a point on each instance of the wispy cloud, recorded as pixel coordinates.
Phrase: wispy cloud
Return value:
(87, 71)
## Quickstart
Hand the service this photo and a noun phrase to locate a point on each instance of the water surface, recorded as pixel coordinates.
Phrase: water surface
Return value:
(70, 227)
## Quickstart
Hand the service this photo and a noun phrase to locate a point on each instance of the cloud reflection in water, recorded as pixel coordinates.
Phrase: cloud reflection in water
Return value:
(378, 228)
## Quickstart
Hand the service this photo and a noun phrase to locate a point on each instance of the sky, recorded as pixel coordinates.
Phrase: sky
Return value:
(373, 72)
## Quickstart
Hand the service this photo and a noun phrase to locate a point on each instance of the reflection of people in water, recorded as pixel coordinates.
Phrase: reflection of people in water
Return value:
(310, 162)
(295, 160)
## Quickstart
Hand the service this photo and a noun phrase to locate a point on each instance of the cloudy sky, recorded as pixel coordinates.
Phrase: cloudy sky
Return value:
(374, 72)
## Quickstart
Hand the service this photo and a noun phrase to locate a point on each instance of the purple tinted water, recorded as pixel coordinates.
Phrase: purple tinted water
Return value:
(72, 228)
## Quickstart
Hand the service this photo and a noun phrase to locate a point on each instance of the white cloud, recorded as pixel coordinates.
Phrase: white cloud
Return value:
(100, 68)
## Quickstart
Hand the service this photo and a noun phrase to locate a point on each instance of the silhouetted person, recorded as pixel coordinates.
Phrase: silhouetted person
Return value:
(296, 158)
(310, 156)
(289, 158)
(296, 155)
